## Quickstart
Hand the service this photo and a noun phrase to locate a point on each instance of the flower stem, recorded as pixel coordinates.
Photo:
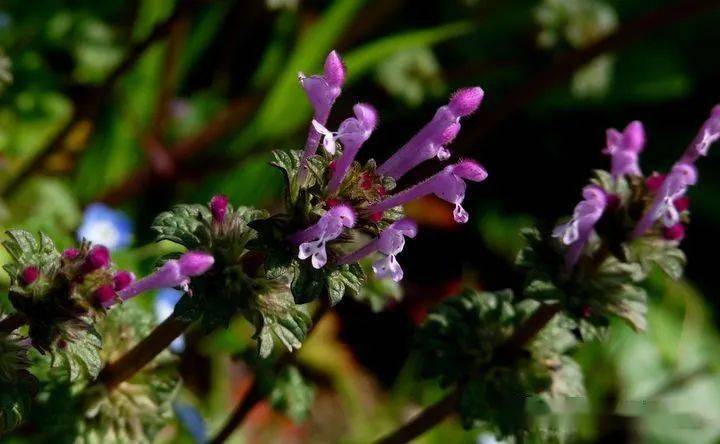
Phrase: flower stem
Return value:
(254, 394)
(131, 362)
(507, 352)
(12, 323)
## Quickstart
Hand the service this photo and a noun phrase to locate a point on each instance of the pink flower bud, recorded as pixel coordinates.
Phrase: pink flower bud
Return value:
(218, 207)
(654, 182)
(104, 295)
(676, 232)
(98, 257)
(465, 101)
(71, 254)
(195, 263)
(122, 279)
(30, 274)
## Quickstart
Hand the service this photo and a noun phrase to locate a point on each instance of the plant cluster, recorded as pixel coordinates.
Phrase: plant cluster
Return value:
(508, 356)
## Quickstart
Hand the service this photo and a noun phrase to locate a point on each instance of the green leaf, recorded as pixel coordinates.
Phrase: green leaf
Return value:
(26, 251)
(15, 401)
(347, 278)
(308, 284)
(649, 251)
(187, 225)
(292, 394)
(277, 313)
(78, 357)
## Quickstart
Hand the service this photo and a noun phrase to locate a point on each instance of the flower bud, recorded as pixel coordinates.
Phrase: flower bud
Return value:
(71, 254)
(29, 275)
(195, 263)
(98, 257)
(104, 295)
(466, 100)
(218, 207)
(122, 279)
(334, 70)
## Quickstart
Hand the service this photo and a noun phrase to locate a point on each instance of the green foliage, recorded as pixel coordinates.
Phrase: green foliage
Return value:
(459, 341)
(17, 385)
(461, 333)
(78, 357)
(26, 250)
(275, 314)
(187, 225)
(292, 394)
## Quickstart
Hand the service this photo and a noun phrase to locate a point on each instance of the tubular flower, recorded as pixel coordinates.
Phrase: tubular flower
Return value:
(353, 132)
(322, 90)
(663, 206)
(709, 133)
(448, 185)
(624, 148)
(173, 273)
(390, 243)
(311, 241)
(576, 232)
(430, 140)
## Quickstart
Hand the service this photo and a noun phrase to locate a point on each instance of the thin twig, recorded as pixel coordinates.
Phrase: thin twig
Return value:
(506, 353)
(12, 322)
(254, 394)
(144, 352)
(567, 64)
(87, 107)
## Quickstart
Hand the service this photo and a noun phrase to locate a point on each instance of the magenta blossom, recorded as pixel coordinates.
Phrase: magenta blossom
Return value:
(448, 185)
(390, 243)
(624, 149)
(575, 234)
(218, 207)
(173, 273)
(322, 90)
(709, 133)
(429, 142)
(311, 241)
(353, 132)
(663, 207)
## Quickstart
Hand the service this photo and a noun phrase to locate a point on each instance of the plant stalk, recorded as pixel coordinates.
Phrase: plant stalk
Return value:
(507, 352)
(131, 362)
(12, 322)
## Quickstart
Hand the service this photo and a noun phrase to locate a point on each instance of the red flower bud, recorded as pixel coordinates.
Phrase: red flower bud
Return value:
(98, 257)
(218, 207)
(122, 279)
(104, 294)
(30, 274)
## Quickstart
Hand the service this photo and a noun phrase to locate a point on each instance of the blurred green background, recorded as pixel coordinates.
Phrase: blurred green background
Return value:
(141, 104)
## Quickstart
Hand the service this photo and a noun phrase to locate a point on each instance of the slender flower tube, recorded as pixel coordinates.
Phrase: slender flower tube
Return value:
(353, 132)
(448, 185)
(663, 206)
(709, 133)
(576, 232)
(218, 207)
(624, 149)
(173, 273)
(311, 241)
(322, 90)
(390, 243)
(430, 140)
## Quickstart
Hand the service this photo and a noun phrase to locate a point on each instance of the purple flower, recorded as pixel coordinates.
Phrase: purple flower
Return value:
(663, 206)
(624, 149)
(430, 140)
(322, 90)
(448, 185)
(353, 132)
(576, 232)
(709, 133)
(311, 241)
(173, 273)
(390, 243)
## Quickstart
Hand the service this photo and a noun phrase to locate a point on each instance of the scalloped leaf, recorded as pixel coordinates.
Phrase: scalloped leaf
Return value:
(187, 225)
(79, 358)
(345, 279)
(279, 317)
(26, 250)
(292, 394)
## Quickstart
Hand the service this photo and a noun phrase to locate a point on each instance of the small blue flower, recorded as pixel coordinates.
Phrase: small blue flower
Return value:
(165, 301)
(102, 225)
(192, 421)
